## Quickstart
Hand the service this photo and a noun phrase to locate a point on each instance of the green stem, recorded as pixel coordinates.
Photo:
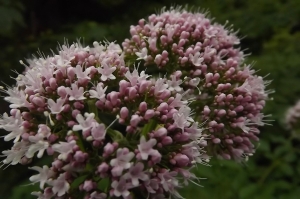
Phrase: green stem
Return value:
(268, 172)
(93, 109)
(115, 135)
(150, 126)
(80, 141)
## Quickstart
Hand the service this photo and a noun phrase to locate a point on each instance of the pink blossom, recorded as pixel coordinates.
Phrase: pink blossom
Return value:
(142, 54)
(99, 93)
(174, 84)
(146, 148)
(120, 188)
(84, 124)
(98, 132)
(56, 107)
(106, 71)
(121, 162)
(64, 148)
(135, 173)
(82, 75)
(76, 93)
(60, 185)
(44, 174)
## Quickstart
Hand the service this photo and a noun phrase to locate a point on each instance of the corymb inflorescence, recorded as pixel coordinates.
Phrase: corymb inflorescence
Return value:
(203, 60)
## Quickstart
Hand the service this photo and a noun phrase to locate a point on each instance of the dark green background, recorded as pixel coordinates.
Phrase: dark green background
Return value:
(270, 31)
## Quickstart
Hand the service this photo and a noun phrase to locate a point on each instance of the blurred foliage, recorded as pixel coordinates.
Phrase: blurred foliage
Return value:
(270, 30)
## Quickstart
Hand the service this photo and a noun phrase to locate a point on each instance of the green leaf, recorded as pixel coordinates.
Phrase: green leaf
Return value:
(103, 184)
(287, 169)
(78, 181)
(248, 191)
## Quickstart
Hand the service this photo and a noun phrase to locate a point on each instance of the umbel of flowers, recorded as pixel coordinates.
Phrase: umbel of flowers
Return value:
(112, 132)
(203, 60)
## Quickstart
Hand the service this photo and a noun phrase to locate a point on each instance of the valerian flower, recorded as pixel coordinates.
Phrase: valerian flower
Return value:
(203, 60)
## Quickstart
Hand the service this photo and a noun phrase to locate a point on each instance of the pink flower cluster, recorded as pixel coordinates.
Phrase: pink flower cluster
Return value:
(115, 131)
(292, 117)
(112, 132)
(204, 63)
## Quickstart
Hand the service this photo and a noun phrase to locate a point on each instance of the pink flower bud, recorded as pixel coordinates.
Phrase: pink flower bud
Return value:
(26, 124)
(67, 108)
(184, 60)
(206, 110)
(71, 123)
(136, 39)
(135, 120)
(238, 139)
(149, 114)
(164, 54)
(226, 156)
(221, 97)
(124, 112)
(212, 123)
(52, 138)
(88, 185)
(25, 136)
(79, 156)
(123, 86)
(71, 73)
(163, 39)
(75, 112)
(109, 149)
(14, 111)
(26, 115)
(57, 164)
(161, 132)
(78, 105)
(59, 75)
(132, 93)
(114, 96)
(239, 108)
(221, 113)
(62, 92)
(216, 140)
(152, 43)
(158, 59)
(52, 83)
(58, 117)
(103, 167)
(229, 97)
(25, 160)
(167, 140)
(181, 43)
(143, 86)
(163, 106)
(143, 107)
(50, 151)
(181, 160)
(208, 77)
(229, 141)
